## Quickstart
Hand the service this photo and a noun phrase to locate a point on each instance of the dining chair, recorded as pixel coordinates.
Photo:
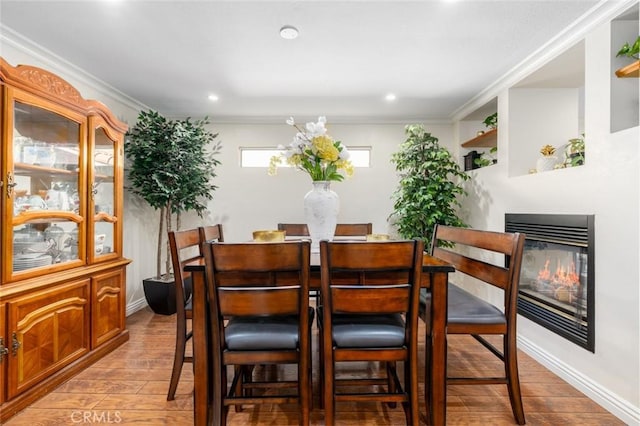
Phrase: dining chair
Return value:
(184, 247)
(370, 295)
(260, 315)
(342, 229)
(482, 258)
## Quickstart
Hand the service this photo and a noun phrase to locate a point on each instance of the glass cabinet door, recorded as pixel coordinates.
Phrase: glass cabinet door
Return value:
(104, 185)
(45, 188)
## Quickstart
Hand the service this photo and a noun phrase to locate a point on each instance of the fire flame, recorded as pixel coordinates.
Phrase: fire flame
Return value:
(564, 276)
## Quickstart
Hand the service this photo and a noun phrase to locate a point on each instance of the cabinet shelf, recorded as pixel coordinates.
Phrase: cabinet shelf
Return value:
(33, 169)
(629, 71)
(488, 139)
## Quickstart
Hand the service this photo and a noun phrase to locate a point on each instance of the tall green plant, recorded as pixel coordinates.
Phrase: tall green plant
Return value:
(172, 166)
(429, 187)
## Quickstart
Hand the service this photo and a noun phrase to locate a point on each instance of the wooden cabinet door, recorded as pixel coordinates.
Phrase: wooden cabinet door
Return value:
(4, 346)
(107, 300)
(52, 330)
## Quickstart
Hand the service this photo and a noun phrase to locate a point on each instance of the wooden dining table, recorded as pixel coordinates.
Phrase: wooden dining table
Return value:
(434, 277)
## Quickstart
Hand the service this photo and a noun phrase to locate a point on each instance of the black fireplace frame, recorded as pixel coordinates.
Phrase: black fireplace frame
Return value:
(567, 229)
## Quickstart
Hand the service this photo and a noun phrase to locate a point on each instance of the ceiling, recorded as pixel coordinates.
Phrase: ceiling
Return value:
(434, 55)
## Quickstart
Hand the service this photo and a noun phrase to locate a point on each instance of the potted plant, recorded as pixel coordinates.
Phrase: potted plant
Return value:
(487, 158)
(429, 187)
(491, 121)
(574, 152)
(548, 160)
(172, 166)
(630, 51)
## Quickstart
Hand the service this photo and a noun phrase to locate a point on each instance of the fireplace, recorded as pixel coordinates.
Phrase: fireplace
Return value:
(557, 277)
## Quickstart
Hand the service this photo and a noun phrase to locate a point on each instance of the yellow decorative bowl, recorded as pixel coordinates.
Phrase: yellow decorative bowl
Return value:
(377, 237)
(268, 236)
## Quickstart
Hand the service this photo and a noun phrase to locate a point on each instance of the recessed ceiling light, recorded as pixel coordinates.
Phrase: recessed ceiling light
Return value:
(288, 32)
(213, 98)
(390, 97)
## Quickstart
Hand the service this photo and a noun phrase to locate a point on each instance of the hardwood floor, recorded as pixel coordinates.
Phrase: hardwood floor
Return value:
(129, 386)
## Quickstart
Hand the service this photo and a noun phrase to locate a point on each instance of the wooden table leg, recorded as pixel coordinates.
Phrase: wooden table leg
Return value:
(436, 371)
(200, 352)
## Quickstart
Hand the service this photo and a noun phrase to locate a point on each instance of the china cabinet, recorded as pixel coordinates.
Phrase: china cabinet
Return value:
(63, 273)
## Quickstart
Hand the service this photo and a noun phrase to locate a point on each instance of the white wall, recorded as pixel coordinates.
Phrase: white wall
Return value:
(249, 199)
(606, 186)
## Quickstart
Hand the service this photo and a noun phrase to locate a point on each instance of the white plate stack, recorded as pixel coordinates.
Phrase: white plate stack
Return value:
(30, 260)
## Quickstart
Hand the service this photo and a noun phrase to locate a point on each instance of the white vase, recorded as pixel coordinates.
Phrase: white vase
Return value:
(321, 207)
(546, 163)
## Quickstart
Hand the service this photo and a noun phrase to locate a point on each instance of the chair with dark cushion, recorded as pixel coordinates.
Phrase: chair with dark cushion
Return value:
(482, 258)
(370, 295)
(260, 316)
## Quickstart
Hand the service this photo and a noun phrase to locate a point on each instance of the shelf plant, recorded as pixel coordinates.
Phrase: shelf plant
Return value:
(429, 188)
(491, 121)
(487, 158)
(630, 50)
(172, 166)
(574, 152)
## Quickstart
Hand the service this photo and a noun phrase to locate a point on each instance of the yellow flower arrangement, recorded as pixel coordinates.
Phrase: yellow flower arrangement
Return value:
(315, 152)
(547, 150)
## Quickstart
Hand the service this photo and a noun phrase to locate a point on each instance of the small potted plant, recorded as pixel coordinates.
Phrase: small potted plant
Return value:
(491, 121)
(548, 160)
(574, 152)
(630, 51)
(487, 158)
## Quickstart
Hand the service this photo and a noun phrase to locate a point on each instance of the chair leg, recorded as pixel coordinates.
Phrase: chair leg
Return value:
(178, 361)
(329, 386)
(390, 368)
(304, 391)
(321, 373)
(411, 382)
(513, 379)
(224, 409)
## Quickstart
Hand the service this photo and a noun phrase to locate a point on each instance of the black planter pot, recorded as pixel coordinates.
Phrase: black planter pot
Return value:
(161, 294)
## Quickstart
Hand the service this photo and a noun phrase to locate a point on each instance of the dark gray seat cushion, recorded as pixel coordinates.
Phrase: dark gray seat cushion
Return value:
(368, 331)
(464, 307)
(263, 333)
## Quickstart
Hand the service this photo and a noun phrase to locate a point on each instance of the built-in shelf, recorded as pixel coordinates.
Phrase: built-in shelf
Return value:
(488, 139)
(630, 71)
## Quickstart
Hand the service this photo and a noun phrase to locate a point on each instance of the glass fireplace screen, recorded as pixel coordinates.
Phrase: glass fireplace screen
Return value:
(556, 279)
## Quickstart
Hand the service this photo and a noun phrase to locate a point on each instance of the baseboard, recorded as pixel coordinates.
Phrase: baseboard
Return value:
(136, 305)
(613, 403)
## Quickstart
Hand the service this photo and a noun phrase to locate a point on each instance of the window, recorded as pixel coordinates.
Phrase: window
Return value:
(259, 157)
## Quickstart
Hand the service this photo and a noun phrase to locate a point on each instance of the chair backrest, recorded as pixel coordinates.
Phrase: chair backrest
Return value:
(342, 229)
(353, 229)
(258, 279)
(210, 234)
(184, 247)
(359, 277)
(478, 254)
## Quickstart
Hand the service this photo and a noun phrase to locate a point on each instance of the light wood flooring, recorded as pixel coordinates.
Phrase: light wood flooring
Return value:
(129, 386)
